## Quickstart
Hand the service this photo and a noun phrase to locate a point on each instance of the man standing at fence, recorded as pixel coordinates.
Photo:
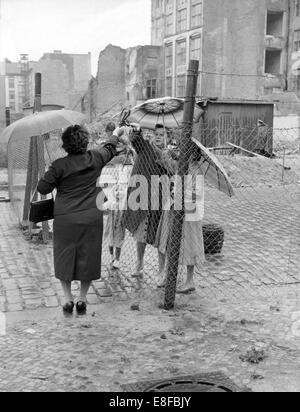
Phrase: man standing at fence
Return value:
(143, 224)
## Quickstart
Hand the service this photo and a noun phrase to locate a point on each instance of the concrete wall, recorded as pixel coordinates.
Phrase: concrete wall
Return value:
(65, 77)
(111, 78)
(82, 71)
(55, 81)
(143, 63)
(89, 100)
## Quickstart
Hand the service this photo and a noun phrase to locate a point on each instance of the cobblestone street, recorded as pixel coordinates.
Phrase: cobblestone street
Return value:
(247, 298)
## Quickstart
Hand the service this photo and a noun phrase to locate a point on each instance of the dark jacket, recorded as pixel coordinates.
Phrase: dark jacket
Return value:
(149, 162)
(75, 178)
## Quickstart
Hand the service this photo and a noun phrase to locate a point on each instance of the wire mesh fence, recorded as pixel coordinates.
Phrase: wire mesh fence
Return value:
(228, 243)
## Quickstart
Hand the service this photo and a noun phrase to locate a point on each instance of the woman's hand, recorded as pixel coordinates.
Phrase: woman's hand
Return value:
(119, 131)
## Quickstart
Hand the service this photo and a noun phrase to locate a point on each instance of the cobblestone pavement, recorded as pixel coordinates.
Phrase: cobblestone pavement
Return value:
(262, 247)
(42, 351)
(247, 298)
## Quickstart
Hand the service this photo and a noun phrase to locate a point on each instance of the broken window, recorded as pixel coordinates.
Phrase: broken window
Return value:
(182, 15)
(275, 23)
(11, 83)
(151, 89)
(273, 62)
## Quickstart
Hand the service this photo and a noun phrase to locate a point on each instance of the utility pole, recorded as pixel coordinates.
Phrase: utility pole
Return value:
(7, 116)
(183, 168)
(36, 162)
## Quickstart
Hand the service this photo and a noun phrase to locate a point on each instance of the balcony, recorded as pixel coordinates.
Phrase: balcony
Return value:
(274, 82)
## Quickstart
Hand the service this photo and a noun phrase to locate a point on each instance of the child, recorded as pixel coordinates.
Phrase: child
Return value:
(114, 231)
(192, 244)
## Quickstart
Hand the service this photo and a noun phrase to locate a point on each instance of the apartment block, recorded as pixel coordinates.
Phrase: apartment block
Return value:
(65, 77)
(244, 46)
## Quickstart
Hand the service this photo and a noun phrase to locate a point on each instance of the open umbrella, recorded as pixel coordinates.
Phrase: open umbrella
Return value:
(41, 123)
(213, 171)
(167, 111)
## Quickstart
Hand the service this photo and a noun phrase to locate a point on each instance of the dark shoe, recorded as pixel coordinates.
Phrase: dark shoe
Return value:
(81, 308)
(68, 307)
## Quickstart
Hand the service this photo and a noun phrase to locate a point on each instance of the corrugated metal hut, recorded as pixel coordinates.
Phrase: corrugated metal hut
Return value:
(245, 123)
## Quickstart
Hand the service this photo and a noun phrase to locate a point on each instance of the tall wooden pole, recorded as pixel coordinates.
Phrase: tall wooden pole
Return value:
(36, 161)
(183, 168)
(7, 116)
(40, 141)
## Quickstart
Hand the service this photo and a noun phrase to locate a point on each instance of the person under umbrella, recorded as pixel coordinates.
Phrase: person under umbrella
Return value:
(143, 224)
(78, 222)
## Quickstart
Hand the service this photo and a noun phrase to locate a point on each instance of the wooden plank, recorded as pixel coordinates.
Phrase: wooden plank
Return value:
(258, 155)
(245, 150)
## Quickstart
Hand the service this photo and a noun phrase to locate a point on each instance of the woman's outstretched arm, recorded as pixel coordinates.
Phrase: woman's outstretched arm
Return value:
(49, 182)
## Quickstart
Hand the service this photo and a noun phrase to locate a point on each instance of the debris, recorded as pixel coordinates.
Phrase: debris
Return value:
(135, 307)
(86, 326)
(177, 332)
(256, 377)
(30, 331)
(254, 356)
(39, 378)
(124, 359)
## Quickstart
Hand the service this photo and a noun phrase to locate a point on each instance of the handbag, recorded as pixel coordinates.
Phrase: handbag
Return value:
(41, 210)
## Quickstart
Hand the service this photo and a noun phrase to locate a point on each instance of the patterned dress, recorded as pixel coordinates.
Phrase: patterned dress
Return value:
(192, 243)
(143, 224)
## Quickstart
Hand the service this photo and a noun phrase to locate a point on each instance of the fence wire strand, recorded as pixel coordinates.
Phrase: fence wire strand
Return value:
(239, 243)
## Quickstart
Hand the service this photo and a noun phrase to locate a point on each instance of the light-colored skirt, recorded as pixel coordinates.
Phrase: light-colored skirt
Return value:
(192, 243)
(114, 230)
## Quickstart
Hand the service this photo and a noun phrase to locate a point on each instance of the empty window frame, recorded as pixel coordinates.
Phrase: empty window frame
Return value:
(195, 48)
(181, 53)
(151, 89)
(169, 56)
(275, 23)
(273, 62)
(196, 13)
(182, 20)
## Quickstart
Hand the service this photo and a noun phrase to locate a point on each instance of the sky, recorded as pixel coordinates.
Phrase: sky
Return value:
(35, 27)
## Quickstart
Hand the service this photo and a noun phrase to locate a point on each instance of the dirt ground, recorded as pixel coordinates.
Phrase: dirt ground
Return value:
(253, 171)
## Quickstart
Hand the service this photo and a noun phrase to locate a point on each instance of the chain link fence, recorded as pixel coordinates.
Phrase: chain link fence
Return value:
(228, 244)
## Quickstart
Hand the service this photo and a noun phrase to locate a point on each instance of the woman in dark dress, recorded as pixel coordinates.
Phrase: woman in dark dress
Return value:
(78, 223)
